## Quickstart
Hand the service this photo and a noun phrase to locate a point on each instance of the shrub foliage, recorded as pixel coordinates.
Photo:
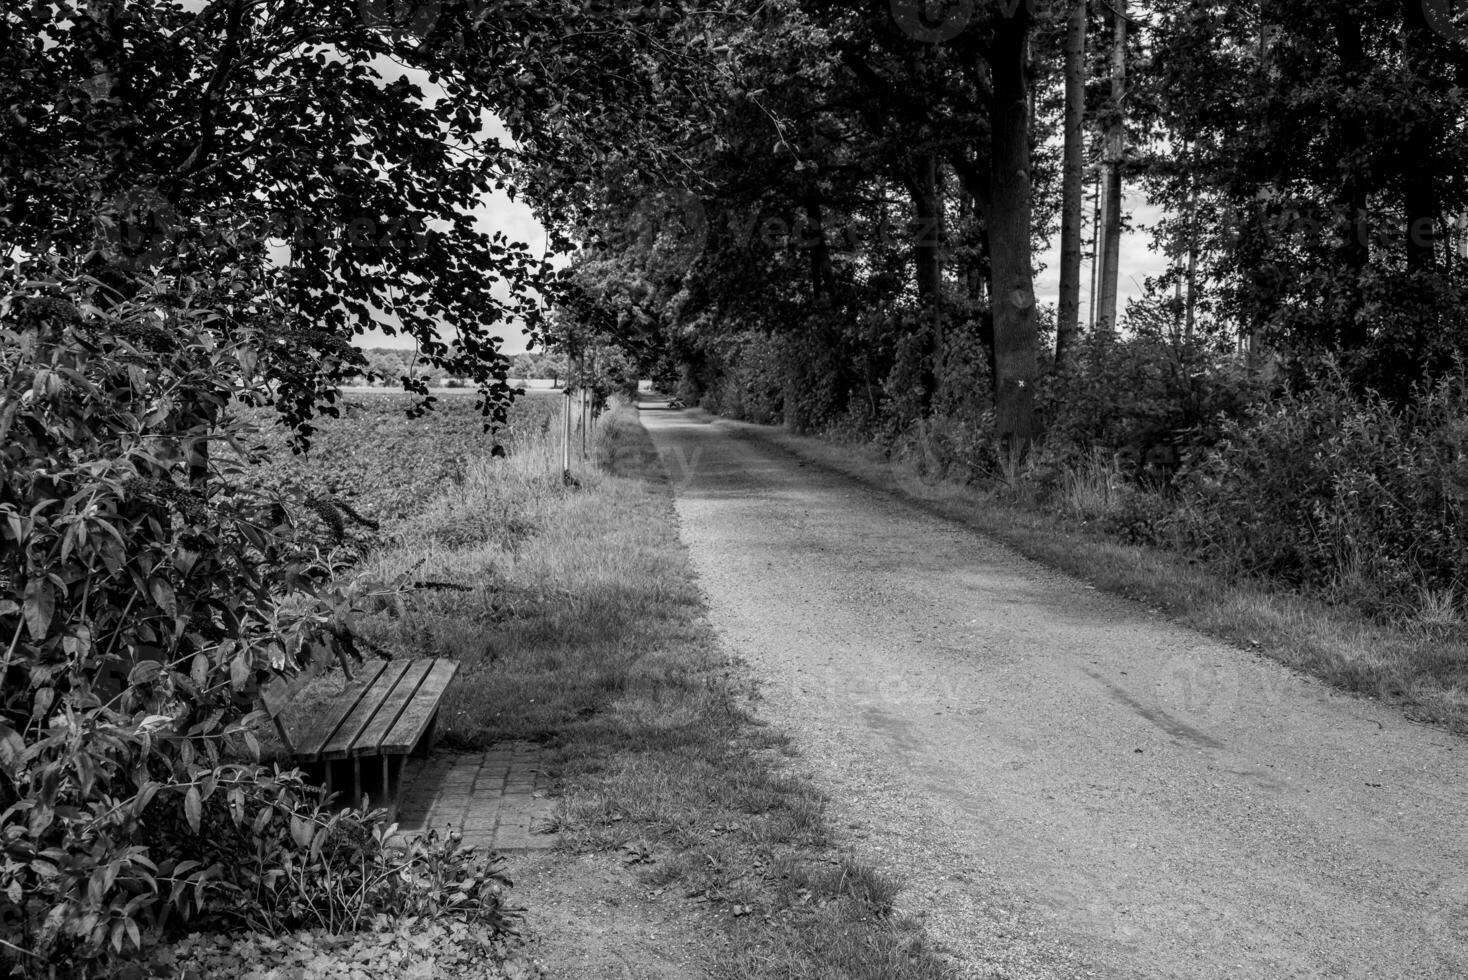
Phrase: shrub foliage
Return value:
(1354, 496)
(145, 589)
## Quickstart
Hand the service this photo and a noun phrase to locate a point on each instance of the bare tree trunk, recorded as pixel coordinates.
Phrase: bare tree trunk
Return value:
(1095, 251)
(1067, 329)
(1115, 147)
(1011, 194)
(927, 204)
(1190, 320)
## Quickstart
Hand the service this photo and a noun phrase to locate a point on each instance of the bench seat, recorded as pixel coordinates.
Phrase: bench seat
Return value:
(387, 712)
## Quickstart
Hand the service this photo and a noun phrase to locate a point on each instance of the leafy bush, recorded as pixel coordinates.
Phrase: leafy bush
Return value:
(143, 593)
(1153, 402)
(1349, 495)
(751, 379)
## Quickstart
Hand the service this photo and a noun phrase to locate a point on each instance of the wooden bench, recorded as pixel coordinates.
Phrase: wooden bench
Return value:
(386, 714)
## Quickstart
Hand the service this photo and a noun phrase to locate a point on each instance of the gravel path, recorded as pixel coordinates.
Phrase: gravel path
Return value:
(1067, 784)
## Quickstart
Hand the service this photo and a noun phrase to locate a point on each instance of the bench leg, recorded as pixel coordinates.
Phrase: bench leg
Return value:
(425, 744)
(390, 786)
(387, 791)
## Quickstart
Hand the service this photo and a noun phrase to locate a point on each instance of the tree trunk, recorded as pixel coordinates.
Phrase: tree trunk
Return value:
(1095, 250)
(927, 206)
(1115, 148)
(1420, 177)
(820, 249)
(1013, 288)
(1190, 320)
(1187, 252)
(1068, 325)
(1355, 251)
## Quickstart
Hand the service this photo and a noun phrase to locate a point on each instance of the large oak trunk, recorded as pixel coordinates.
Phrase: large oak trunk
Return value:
(1012, 274)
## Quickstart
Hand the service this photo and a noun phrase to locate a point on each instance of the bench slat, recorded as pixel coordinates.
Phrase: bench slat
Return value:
(418, 714)
(367, 740)
(339, 745)
(308, 746)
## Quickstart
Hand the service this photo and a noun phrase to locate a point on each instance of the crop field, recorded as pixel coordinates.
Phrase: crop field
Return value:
(386, 466)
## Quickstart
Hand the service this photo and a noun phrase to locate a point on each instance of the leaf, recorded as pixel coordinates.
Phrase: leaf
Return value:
(144, 672)
(199, 670)
(146, 794)
(39, 606)
(301, 830)
(86, 772)
(78, 643)
(193, 808)
(11, 748)
(163, 594)
(239, 671)
(42, 704)
(16, 524)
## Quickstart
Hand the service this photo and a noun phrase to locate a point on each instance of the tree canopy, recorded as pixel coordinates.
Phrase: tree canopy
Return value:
(310, 169)
(882, 175)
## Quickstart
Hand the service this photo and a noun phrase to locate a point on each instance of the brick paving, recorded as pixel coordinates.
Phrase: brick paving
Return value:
(499, 798)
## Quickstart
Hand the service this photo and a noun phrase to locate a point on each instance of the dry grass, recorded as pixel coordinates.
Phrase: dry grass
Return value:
(1420, 664)
(581, 628)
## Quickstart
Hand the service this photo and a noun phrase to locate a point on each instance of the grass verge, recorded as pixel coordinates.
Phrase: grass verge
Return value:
(1423, 673)
(577, 623)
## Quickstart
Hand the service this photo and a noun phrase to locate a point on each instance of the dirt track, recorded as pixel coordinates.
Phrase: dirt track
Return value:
(1067, 784)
